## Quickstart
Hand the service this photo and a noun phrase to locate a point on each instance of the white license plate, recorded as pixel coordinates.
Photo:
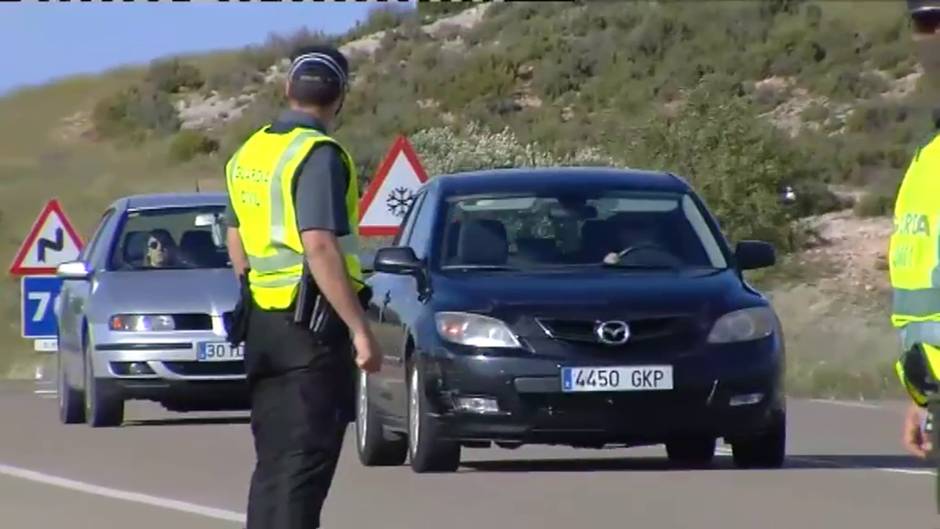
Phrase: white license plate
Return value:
(219, 352)
(638, 378)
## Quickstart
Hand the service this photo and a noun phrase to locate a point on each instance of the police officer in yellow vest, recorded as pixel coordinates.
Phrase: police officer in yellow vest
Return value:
(914, 250)
(293, 195)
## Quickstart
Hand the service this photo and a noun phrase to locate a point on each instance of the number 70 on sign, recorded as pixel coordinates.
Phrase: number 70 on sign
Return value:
(39, 295)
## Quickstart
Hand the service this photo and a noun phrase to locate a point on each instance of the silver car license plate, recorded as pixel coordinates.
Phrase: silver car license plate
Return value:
(219, 352)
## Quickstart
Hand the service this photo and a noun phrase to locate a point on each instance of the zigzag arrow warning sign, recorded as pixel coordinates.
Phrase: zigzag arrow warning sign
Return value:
(51, 242)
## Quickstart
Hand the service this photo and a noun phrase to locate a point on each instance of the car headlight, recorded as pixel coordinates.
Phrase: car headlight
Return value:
(743, 325)
(141, 322)
(474, 330)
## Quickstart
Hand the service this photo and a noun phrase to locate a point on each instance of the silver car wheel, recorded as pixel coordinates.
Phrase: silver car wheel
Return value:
(414, 413)
(363, 413)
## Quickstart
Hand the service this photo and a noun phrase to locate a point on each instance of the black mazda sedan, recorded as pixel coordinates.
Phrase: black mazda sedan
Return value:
(575, 306)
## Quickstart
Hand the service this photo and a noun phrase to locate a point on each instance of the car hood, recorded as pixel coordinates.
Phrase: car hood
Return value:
(167, 291)
(589, 293)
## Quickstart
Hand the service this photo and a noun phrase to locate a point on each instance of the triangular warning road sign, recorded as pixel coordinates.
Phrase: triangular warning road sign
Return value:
(388, 196)
(51, 242)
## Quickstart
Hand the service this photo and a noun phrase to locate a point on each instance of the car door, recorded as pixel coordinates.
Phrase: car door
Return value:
(406, 302)
(74, 294)
(389, 332)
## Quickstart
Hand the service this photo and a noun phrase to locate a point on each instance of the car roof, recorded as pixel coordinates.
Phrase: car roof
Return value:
(170, 200)
(526, 179)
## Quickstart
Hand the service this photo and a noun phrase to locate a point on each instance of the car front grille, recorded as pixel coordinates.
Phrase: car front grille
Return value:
(204, 369)
(652, 331)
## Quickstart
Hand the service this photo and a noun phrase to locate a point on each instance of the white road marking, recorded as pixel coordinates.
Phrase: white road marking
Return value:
(45, 391)
(849, 404)
(146, 499)
(820, 461)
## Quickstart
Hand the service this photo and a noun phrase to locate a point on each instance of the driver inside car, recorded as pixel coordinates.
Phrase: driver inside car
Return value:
(161, 250)
(629, 235)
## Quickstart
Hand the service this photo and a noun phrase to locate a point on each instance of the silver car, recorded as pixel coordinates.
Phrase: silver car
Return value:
(140, 315)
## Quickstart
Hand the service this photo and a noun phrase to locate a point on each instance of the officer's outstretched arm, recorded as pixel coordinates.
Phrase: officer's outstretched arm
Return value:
(329, 271)
(236, 252)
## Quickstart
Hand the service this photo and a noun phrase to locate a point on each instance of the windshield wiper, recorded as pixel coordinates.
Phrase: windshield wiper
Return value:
(487, 267)
(638, 266)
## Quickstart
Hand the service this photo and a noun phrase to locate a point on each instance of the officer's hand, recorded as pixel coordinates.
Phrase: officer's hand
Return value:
(915, 441)
(368, 354)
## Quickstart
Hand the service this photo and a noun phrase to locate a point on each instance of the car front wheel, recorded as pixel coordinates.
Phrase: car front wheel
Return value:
(426, 451)
(71, 406)
(374, 445)
(767, 450)
(103, 408)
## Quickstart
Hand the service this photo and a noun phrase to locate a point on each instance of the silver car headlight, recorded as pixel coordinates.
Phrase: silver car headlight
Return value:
(743, 325)
(141, 322)
(474, 330)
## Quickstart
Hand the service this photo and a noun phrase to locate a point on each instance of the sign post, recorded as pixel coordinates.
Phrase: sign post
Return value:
(51, 241)
(391, 192)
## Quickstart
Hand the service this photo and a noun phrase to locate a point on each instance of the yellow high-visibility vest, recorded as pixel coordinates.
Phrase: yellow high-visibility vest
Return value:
(260, 181)
(914, 260)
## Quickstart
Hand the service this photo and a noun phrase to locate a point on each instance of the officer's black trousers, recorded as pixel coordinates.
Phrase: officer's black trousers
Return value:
(302, 399)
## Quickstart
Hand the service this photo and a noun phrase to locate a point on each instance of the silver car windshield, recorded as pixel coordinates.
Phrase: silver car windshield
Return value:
(171, 238)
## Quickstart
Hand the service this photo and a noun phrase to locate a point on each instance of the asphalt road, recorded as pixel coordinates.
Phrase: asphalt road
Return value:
(161, 470)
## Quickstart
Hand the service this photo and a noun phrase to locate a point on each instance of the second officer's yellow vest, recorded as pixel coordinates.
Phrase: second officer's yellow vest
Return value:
(260, 181)
(914, 249)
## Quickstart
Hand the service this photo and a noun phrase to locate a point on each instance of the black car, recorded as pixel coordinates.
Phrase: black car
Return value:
(577, 306)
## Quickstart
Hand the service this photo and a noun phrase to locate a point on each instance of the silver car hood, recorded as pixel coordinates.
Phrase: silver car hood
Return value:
(211, 291)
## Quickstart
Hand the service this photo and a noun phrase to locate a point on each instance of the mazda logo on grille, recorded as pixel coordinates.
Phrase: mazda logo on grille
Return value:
(612, 332)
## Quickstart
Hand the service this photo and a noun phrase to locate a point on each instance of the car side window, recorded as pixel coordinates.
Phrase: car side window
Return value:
(91, 252)
(420, 235)
(405, 232)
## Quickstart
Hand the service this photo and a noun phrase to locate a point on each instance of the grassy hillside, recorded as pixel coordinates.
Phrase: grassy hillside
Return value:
(809, 94)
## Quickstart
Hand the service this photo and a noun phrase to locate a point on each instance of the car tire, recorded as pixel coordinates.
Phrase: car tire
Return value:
(71, 402)
(691, 452)
(375, 446)
(426, 451)
(103, 406)
(767, 450)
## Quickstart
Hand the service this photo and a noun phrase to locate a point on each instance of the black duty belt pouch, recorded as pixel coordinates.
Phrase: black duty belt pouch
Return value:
(236, 323)
(313, 312)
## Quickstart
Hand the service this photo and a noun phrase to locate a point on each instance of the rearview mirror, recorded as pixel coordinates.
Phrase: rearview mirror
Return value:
(73, 270)
(396, 260)
(752, 255)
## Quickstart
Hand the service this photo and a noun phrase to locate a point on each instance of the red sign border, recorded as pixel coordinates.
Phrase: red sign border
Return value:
(401, 145)
(52, 206)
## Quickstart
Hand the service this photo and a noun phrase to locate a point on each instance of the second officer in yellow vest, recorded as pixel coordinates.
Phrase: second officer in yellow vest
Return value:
(914, 250)
(293, 194)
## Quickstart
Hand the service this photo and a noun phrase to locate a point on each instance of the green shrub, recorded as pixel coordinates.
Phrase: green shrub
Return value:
(173, 76)
(815, 112)
(471, 147)
(134, 113)
(737, 162)
(874, 204)
(188, 144)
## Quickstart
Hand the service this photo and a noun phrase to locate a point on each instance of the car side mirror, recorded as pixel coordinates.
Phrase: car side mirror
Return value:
(396, 260)
(752, 255)
(73, 270)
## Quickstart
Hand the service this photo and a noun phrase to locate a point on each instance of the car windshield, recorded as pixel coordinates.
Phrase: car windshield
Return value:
(615, 229)
(171, 238)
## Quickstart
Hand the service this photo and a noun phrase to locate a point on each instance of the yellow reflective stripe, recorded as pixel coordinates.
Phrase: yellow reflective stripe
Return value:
(275, 282)
(278, 229)
(278, 261)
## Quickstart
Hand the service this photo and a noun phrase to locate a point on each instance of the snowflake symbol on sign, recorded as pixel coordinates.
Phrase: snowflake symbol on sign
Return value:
(399, 200)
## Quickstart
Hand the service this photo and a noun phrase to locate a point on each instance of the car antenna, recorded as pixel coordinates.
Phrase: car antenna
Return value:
(197, 183)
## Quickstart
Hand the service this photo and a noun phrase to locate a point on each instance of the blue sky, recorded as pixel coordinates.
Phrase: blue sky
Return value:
(44, 41)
